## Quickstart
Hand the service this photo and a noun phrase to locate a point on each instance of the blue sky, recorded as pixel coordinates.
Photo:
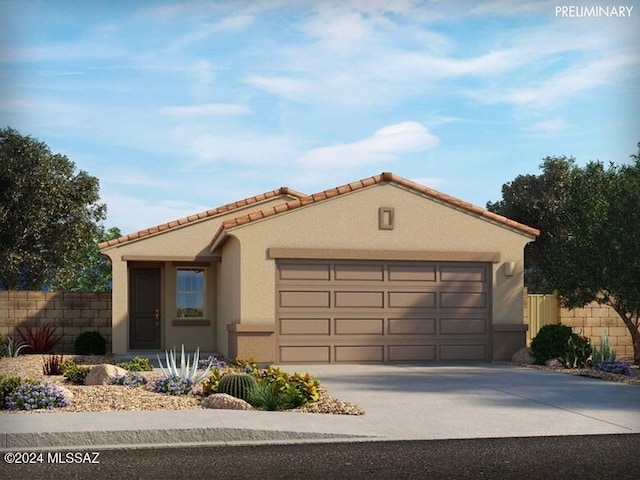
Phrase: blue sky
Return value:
(180, 106)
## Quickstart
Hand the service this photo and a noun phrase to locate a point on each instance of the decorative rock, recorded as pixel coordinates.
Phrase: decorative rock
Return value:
(101, 374)
(554, 363)
(224, 401)
(523, 357)
(68, 394)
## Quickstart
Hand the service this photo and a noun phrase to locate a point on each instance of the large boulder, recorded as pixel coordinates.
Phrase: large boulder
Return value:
(523, 357)
(224, 401)
(101, 374)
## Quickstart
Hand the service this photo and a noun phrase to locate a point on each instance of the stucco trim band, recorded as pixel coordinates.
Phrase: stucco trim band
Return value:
(191, 323)
(251, 327)
(348, 254)
(162, 258)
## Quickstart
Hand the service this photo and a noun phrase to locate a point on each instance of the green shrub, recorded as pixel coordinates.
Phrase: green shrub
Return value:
(74, 373)
(301, 388)
(8, 385)
(138, 364)
(551, 342)
(237, 385)
(90, 343)
(265, 396)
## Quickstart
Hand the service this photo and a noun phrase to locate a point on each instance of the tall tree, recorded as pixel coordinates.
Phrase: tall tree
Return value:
(590, 251)
(536, 200)
(89, 270)
(47, 211)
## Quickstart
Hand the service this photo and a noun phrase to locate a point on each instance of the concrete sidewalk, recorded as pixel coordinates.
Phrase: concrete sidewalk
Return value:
(402, 402)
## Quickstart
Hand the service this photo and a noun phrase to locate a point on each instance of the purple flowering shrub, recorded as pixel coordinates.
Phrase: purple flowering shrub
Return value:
(215, 362)
(129, 379)
(35, 396)
(619, 367)
(173, 385)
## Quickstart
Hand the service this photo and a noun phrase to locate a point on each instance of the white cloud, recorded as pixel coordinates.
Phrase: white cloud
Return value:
(550, 126)
(283, 86)
(384, 145)
(244, 147)
(131, 214)
(229, 24)
(565, 84)
(207, 109)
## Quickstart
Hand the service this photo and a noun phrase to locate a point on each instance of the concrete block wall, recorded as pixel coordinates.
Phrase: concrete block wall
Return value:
(72, 313)
(593, 320)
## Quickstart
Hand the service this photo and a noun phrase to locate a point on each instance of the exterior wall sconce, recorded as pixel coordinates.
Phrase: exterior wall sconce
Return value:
(509, 268)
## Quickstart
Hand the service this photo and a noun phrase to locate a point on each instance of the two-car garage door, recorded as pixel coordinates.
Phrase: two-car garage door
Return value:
(382, 311)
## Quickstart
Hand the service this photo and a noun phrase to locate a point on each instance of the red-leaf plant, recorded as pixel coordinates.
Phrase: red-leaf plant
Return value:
(40, 339)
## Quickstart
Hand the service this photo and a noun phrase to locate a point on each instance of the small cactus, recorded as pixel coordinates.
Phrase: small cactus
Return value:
(237, 385)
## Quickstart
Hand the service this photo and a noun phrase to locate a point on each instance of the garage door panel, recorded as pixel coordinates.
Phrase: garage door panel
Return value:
(359, 272)
(304, 326)
(463, 352)
(293, 354)
(359, 353)
(304, 271)
(463, 274)
(463, 326)
(412, 326)
(412, 299)
(359, 299)
(476, 300)
(351, 311)
(298, 299)
(359, 326)
(409, 353)
(414, 273)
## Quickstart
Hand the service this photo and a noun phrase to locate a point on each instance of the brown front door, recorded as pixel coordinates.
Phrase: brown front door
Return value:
(144, 308)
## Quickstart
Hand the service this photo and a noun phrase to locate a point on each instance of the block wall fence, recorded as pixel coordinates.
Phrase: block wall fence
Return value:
(72, 314)
(590, 321)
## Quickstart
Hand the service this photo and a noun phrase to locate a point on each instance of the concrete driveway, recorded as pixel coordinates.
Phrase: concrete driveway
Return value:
(401, 402)
(484, 400)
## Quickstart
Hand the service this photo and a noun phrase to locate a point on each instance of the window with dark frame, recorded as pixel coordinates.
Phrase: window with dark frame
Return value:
(190, 293)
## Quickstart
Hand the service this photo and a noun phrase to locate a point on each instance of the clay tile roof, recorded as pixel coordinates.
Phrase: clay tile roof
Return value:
(202, 215)
(383, 177)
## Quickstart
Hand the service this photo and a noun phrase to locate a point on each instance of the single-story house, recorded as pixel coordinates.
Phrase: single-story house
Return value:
(379, 270)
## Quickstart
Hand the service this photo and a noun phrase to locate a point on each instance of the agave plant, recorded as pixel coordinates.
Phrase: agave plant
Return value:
(188, 369)
(13, 347)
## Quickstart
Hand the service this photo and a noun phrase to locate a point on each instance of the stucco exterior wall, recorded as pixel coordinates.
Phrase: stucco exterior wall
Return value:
(229, 285)
(171, 248)
(350, 221)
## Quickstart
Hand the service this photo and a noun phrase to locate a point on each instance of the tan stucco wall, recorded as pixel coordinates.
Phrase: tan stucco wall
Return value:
(229, 286)
(350, 221)
(187, 241)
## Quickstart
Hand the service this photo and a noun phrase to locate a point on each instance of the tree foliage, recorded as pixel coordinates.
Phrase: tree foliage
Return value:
(88, 270)
(48, 212)
(536, 200)
(591, 251)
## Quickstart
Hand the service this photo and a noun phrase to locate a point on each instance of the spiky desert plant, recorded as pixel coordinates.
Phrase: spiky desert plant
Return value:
(12, 348)
(40, 339)
(188, 368)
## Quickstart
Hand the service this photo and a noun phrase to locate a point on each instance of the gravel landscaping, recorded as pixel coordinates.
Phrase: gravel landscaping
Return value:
(118, 398)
